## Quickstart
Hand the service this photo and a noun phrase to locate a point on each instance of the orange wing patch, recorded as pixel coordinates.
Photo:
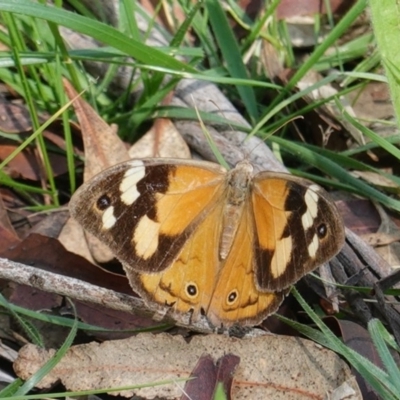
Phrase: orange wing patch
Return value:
(189, 193)
(236, 298)
(189, 282)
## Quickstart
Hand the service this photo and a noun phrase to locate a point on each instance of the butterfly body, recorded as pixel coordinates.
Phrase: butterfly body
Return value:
(195, 238)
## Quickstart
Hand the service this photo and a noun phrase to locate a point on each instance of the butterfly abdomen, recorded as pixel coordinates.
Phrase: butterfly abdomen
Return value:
(238, 183)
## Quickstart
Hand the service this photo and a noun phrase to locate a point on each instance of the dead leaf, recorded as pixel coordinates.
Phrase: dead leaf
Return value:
(52, 224)
(359, 215)
(296, 8)
(378, 180)
(271, 367)
(208, 377)
(300, 17)
(202, 382)
(227, 366)
(27, 164)
(387, 239)
(372, 102)
(8, 236)
(103, 147)
(73, 238)
(14, 118)
(162, 140)
(381, 238)
(48, 254)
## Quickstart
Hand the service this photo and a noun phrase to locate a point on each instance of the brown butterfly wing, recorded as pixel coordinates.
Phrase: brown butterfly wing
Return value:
(237, 298)
(298, 228)
(146, 210)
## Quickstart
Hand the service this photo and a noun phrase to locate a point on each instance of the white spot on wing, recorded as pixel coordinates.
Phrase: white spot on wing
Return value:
(281, 256)
(313, 247)
(128, 186)
(145, 238)
(311, 200)
(108, 218)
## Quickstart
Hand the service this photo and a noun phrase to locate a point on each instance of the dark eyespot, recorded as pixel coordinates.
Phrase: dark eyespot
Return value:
(191, 290)
(103, 202)
(232, 296)
(322, 231)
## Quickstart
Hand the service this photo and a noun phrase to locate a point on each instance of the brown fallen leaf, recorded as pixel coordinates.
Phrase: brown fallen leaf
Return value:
(27, 165)
(201, 385)
(382, 238)
(48, 254)
(227, 366)
(103, 147)
(271, 367)
(359, 215)
(8, 236)
(387, 239)
(14, 118)
(296, 8)
(207, 375)
(162, 140)
(373, 103)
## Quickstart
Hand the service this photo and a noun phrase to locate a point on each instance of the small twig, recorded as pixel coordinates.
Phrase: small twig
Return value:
(86, 292)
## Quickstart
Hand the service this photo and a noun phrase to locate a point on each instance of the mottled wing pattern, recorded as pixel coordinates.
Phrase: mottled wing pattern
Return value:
(298, 228)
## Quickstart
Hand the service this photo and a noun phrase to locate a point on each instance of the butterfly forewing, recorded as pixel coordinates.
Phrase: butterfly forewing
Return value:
(298, 228)
(145, 210)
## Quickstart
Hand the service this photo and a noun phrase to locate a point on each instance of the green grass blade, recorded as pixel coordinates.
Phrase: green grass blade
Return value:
(231, 54)
(11, 388)
(382, 142)
(385, 16)
(378, 332)
(375, 376)
(329, 41)
(329, 167)
(50, 364)
(98, 30)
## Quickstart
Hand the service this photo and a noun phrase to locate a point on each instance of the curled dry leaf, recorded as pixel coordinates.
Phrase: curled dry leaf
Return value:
(271, 367)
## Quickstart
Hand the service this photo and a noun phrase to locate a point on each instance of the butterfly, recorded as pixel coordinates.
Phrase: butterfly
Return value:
(196, 238)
